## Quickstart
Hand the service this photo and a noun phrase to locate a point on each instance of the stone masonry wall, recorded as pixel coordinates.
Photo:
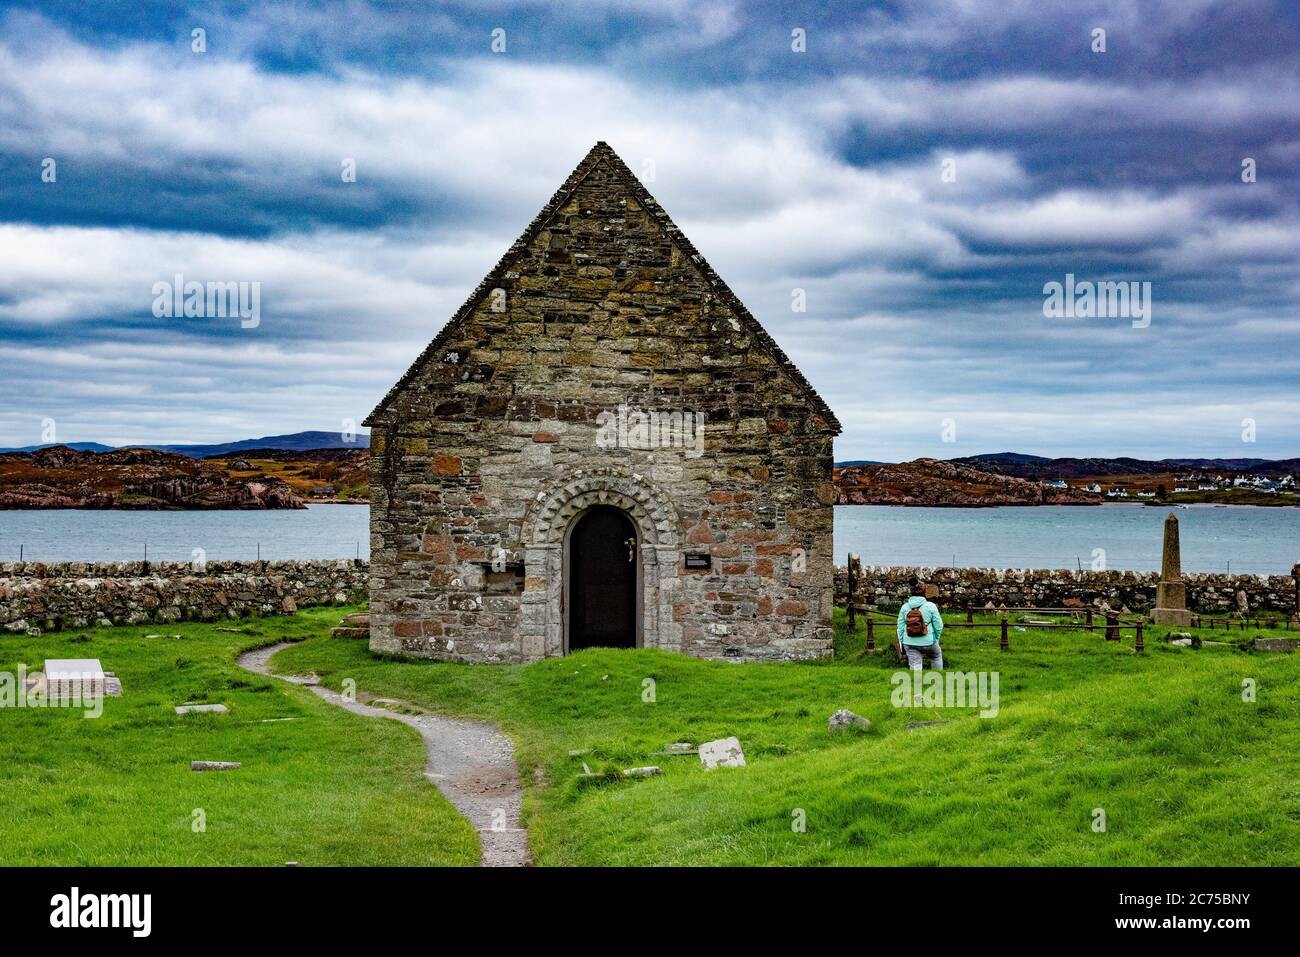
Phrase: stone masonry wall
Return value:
(492, 450)
(887, 586)
(55, 596)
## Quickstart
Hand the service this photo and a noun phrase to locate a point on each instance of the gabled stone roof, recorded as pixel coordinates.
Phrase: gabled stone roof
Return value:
(602, 152)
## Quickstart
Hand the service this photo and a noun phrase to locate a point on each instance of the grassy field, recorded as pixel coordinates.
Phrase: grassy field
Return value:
(327, 787)
(1185, 771)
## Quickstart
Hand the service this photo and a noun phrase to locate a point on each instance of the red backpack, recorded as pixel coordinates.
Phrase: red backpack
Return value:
(914, 624)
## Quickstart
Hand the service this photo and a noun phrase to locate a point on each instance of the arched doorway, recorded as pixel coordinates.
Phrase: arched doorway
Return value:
(601, 580)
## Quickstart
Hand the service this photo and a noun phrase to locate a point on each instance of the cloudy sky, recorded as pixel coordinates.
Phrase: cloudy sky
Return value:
(821, 170)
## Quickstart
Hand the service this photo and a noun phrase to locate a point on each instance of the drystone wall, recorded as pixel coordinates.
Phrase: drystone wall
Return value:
(1051, 588)
(48, 597)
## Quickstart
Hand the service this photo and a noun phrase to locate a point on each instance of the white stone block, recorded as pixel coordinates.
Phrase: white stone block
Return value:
(723, 753)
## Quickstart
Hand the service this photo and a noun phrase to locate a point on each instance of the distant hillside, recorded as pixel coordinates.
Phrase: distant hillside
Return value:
(1036, 467)
(1010, 457)
(1230, 465)
(1277, 467)
(294, 442)
(1066, 468)
(934, 482)
(76, 446)
(851, 463)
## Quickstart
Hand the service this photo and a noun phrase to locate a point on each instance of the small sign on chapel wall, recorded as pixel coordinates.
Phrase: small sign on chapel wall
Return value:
(697, 560)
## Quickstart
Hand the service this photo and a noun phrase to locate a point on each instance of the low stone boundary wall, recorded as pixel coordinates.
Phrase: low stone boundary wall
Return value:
(50, 597)
(1049, 588)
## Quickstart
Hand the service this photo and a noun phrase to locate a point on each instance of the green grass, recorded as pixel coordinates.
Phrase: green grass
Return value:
(327, 787)
(1185, 770)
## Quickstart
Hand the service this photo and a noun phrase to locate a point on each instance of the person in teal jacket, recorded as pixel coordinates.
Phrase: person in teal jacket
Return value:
(919, 647)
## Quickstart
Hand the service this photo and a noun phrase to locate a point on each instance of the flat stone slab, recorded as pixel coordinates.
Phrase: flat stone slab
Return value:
(723, 753)
(65, 676)
(1277, 644)
(202, 709)
(214, 765)
(65, 669)
(913, 725)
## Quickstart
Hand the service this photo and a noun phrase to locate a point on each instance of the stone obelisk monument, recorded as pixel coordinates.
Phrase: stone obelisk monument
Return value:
(1171, 593)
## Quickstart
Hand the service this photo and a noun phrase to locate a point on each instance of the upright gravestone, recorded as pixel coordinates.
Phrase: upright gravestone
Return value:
(1295, 574)
(1171, 593)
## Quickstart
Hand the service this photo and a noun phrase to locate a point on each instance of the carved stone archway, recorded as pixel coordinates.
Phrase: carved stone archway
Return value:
(545, 526)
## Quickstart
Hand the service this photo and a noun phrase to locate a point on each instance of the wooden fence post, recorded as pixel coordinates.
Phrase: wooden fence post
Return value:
(1088, 623)
(970, 616)
(871, 633)
(1138, 646)
(853, 591)
(1112, 626)
(1003, 643)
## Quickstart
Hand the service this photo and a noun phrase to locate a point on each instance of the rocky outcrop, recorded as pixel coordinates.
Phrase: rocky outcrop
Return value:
(61, 477)
(935, 482)
(36, 597)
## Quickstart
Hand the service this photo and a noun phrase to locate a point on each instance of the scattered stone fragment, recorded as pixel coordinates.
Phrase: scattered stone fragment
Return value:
(723, 753)
(214, 765)
(845, 720)
(645, 772)
(346, 632)
(681, 747)
(912, 725)
(579, 752)
(1182, 642)
(202, 709)
(355, 625)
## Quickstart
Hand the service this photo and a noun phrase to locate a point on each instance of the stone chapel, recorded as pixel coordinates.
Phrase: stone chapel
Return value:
(602, 447)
